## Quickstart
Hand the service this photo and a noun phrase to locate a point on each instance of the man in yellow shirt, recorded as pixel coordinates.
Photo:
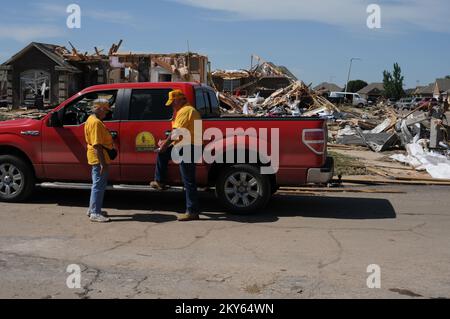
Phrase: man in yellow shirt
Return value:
(98, 139)
(185, 117)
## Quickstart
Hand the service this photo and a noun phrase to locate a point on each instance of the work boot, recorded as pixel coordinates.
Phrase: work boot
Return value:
(188, 217)
(158, 186)
(99, 219)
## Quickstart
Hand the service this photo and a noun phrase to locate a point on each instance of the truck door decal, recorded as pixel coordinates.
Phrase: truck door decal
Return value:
(145, 142)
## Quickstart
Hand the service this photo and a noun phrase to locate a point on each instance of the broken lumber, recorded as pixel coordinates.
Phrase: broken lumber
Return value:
(341, 190)
(378, 172)
(405, 178)
(374, 181)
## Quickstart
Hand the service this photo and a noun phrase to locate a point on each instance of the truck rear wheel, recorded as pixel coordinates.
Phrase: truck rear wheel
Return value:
(242, 189)
(17, 179)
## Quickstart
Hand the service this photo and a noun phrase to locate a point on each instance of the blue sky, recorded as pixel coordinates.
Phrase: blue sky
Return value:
(314, 39)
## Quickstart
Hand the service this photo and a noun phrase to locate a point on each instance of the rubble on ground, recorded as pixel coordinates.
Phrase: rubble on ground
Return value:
(421, 158)
(379, 128)
(6, 114)
(423, 135)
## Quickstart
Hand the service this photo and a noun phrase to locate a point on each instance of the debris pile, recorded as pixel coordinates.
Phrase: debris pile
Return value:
(423, 135)
(367, 130)
(295, 100)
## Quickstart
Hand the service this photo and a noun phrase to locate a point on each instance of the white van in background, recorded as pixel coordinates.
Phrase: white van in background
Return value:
(342, 97)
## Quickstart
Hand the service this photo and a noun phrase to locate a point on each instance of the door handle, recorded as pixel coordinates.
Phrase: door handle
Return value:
(114, 134)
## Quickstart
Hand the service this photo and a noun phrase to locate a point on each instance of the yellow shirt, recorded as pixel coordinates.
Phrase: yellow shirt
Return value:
(185, 118)
(96, 133)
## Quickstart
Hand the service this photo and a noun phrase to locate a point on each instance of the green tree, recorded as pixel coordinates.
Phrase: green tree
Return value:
(387, 83)
(393, 83)
(356, 85)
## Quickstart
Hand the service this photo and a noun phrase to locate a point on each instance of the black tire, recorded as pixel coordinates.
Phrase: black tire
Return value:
(274, 189)
(251, 193)
(16, 176)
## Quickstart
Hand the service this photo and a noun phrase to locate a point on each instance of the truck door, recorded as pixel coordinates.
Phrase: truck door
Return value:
(64, 148)
(145, 122)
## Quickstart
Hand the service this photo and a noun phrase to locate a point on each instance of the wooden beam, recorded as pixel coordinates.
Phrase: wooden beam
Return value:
(341, 190)
(373, 181)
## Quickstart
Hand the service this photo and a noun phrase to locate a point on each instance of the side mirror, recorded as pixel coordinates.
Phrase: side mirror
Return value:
(55, 121)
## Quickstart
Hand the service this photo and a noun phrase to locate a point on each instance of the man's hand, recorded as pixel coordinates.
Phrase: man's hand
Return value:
(164, 145)
(101, 159)
(161, 143)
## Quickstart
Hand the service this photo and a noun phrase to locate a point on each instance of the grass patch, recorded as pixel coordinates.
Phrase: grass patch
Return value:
(3, 117)
(346, 165)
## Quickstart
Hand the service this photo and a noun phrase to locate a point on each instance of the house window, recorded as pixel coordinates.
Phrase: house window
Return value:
(194, 64)
(34, 85)
(231, 85)
(3, 85)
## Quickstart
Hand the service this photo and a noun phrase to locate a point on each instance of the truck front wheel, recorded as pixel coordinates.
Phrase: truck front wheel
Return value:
(16, 179)
(242, 189)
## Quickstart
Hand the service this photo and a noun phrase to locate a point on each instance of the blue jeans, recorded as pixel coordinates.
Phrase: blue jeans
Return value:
(187, 171)
(99, 183)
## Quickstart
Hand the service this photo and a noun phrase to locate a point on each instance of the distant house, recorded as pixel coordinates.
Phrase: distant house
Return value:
(424, 91)
(441, 89)
(325, 88)
(372, 91)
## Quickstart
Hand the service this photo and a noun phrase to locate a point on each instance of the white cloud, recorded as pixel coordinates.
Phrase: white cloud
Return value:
(28, 33)
(429, 15)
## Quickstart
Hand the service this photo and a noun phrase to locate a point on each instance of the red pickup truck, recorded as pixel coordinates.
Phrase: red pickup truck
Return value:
(51, 151)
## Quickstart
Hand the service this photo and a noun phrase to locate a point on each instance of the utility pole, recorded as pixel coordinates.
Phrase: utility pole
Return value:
(349, 71)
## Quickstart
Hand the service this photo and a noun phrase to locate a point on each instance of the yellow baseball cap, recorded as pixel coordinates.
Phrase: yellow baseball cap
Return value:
(175, 95)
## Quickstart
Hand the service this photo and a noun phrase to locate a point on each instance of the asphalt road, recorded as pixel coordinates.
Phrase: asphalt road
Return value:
(299, 247)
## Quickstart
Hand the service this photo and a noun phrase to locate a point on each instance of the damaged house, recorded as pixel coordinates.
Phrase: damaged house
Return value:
(265, 78)
(43, 75)
(37, 71)
(177, 67)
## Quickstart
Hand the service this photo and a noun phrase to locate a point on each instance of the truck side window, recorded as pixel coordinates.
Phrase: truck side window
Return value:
(207, 104)
(78, 111)
(149, 105)
(215, 104)
(201, 102)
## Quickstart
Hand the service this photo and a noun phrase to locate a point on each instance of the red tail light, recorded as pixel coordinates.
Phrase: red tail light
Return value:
(315, 140)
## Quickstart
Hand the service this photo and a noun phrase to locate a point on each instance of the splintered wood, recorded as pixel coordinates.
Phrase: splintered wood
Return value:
(289, 101)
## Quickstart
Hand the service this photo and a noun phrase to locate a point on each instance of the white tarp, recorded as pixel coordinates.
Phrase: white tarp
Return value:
(437, 165)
